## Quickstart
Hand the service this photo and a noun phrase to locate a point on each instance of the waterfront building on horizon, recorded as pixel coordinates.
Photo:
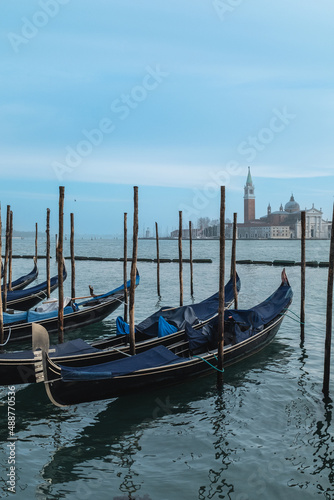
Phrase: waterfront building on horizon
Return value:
(284, 223)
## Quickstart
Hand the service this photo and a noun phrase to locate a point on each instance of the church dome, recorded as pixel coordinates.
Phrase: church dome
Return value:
(292, 205)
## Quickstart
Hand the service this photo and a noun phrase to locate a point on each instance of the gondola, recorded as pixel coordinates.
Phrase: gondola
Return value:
(22, 300)
(17, 326)
(248, 331)
(18, 367)
(25, 280)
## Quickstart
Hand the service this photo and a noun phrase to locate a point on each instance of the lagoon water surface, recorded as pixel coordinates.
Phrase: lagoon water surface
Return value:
(268, 435)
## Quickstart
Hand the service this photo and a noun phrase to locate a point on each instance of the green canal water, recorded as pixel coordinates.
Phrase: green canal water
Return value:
(268, 435)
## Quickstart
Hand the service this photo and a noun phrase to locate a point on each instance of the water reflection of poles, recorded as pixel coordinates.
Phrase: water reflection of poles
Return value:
(128, 451)
(217, 478)
(324, 448)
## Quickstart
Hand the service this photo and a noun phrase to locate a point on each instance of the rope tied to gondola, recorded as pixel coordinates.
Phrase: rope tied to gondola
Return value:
(8, 337)
(208, 362)
(290, 317)
(287, 309)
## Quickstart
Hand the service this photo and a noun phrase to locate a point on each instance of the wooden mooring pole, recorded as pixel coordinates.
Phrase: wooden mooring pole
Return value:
(191, 259)
(133, 274)
(180, 258)
(36, 242)
(60, 266)
(125, 266)
(329, 312)
(302, 277)
(1, 312)
(233, 261)
(158, 258)
(221, 305)
(48, 277)
(10, 251)
(6, 260)
(72, 257)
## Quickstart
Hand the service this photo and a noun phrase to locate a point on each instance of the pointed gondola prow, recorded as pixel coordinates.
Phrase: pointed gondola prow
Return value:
(284, 277)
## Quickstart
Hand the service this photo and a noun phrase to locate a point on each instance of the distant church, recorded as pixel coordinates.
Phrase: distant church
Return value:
(283, 223)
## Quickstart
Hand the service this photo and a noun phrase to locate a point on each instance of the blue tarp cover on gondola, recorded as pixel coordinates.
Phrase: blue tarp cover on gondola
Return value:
(122, 327)
(178, 317)
(241, 324)
(152, 358)
(164, 328)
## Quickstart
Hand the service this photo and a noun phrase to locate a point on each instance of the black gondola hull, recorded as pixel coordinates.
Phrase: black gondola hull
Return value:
(66, 393)
(25, 280)
(78, 319)
(30, 301)
(16, 371)
(21, 369)
(23, 300)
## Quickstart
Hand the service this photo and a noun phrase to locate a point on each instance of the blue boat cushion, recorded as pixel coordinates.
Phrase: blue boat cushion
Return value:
(158, 356)
(164, 328)
(13, 318)
(34, 316)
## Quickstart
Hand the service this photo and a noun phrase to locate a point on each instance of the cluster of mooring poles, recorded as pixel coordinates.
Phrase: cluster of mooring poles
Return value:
(6, 269)
(329, 309)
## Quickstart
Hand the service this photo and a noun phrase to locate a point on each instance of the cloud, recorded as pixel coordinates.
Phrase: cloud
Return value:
(285, 171)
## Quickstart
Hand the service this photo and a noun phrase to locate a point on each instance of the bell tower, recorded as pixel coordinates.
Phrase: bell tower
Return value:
(249, 199)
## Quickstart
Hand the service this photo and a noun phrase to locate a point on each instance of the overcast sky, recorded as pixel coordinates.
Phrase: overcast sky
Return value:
(176, 97)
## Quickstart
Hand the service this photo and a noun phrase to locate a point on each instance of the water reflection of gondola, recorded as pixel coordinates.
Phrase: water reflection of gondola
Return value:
(115, 434)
